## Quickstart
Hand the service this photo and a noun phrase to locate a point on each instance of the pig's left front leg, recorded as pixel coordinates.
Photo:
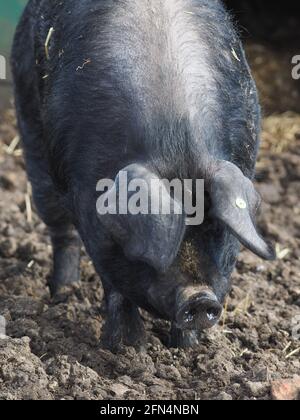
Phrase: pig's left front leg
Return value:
(124, 325)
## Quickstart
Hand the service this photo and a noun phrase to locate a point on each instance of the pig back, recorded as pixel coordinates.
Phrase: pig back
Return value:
(165, 81)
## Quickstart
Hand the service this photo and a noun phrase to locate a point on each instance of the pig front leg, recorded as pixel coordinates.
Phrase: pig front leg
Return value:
(183, 339)
(66, 246)
(65, 239)
(66, 243)
(124, 325)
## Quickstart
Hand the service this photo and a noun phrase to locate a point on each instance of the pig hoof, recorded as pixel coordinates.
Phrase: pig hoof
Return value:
(134, 334)
(124, 325)
(56, 283)
(128, 334)
(66, 269)
(136, 341)
(116, 341)
(183, 339)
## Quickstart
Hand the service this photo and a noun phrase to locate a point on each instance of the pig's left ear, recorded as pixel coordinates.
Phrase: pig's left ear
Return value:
(235, 202)
(148, 237)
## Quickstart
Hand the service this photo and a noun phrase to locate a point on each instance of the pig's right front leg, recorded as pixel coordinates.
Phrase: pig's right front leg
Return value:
(124, 325)
(183, 339)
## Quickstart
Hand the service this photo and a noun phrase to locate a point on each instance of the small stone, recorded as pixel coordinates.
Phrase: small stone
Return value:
(119, 390)
(225, 397)
(257, 389)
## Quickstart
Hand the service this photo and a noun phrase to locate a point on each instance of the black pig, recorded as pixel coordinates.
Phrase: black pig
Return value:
(160, 88)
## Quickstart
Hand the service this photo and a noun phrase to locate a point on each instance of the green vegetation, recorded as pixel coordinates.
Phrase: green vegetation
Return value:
(9, 14)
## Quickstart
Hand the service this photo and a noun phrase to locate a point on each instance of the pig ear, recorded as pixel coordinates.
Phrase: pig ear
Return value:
(235, 202)
(151, 238)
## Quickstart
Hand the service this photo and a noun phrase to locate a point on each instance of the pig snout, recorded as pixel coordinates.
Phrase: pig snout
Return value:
(197, 310)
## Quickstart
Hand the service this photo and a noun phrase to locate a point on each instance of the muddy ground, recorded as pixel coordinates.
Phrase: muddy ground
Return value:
(52, 349)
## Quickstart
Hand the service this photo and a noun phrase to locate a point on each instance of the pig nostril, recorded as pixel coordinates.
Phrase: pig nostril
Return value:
(213, 314)
(190, 315)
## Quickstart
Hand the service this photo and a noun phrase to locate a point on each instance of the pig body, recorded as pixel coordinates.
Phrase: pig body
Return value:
(160, 87)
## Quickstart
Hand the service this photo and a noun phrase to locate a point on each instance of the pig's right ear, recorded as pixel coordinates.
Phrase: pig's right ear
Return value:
(151, 237)
(235, 202)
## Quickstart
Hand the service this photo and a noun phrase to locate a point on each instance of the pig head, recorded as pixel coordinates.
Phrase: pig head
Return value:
(156, 245)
